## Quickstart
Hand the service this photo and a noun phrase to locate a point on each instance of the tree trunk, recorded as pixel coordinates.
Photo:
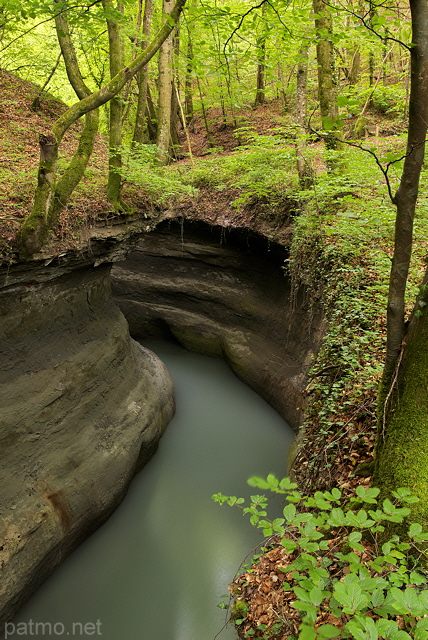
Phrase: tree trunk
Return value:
(143, 79)
(402, 446)
(261, 63)
(35, 105)
(175, 98)
(405, 198)
(51, 194)
(188, 85)
(165, 93)
(355, 70)
(152, 123)
(326, 82)
(34, 231)
(303, 169)
(281, 79)
(115, 111)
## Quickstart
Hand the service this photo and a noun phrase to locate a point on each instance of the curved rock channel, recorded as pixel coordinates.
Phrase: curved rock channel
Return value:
(83, 406)
(223, 292)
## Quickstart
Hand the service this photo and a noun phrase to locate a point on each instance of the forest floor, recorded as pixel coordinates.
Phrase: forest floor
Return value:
(341, 254)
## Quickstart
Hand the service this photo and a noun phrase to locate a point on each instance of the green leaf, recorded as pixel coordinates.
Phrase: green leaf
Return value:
(414, 529)
(289, 512)
(258, 482)
(354, 538)
(328, 631)
(386, 628)
(368, 495)
(300, 605)
(316, 596)
(408, 601)
(287, 485)
(377, 597)
(337, 518)
(350, 597)
(289, 545)
(355, 630)
(307, 633)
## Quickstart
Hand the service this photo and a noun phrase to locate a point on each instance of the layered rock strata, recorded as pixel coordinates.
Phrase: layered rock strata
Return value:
(223, 293)
(82, 408)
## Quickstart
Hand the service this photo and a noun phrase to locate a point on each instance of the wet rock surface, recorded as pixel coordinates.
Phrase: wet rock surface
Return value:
(82, 408)
(225, 293)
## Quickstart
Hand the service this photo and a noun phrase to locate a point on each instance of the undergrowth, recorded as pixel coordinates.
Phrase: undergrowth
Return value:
(333, 570)
(341, 253)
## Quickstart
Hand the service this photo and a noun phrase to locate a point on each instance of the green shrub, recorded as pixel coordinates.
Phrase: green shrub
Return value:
(339, 562)
(162, 185)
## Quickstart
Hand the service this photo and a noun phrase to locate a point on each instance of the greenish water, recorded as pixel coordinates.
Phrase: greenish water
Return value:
(157, 569)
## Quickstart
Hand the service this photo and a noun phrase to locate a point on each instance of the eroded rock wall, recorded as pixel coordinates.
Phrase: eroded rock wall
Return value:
(82, 408)
(225, 293)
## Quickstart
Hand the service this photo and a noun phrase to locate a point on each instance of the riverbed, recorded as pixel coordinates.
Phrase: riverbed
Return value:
(159, 566)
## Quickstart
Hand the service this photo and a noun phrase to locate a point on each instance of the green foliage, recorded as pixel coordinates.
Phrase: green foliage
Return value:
(384, 100)
(389, 100)
(161, 185)
(262, 169)
(340, 254)
(339, 563)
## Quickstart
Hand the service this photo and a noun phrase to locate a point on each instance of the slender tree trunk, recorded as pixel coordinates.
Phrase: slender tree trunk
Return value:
(165, 93)
(175, 107)
(282, 83)
(355, 70)
(405, 198)
(188, 85)
(261, 63)
(35, 105)
(152, 123)
(303, 169)
(386, 54)
(326, 83)
(115, 114)
(143, 79)
(36, 226)
(402, 446)
(204, 114)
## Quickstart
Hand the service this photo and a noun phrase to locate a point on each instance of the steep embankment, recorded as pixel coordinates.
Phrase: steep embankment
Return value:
(83, 407)
(223, 292)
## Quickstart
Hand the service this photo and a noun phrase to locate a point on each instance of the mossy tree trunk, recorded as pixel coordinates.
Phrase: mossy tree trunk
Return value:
(115, 106)
(36, 226)
(326, 78)
(402, 446)
(52, 194)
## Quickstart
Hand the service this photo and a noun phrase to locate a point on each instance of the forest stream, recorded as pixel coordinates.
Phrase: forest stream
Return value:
(160, 565)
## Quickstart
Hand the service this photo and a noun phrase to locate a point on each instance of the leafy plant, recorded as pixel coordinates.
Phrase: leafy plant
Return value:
(263, 168)
(161, 185)
(340, 573)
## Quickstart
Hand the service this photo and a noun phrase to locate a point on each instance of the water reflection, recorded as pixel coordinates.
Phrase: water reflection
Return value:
(157, 569)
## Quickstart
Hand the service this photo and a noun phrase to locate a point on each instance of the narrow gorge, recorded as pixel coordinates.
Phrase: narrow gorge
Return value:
(85, 405)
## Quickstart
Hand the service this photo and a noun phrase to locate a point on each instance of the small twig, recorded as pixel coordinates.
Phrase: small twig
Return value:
(186, 129)
(391, 388)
